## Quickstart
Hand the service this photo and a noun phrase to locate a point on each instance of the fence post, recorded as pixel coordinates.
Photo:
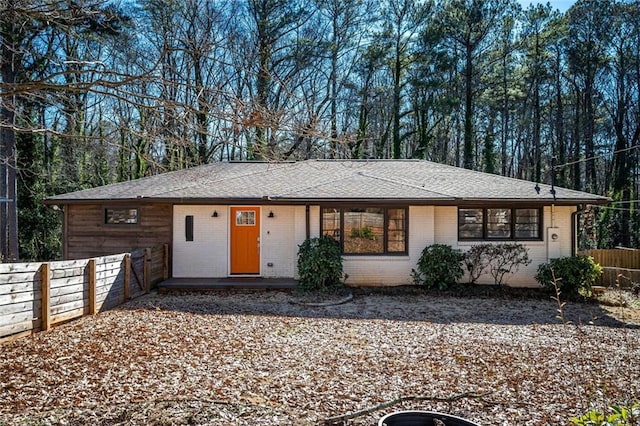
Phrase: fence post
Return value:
(146, 271)
(127, 276)
(165, 262)
(92, 286)
(45, 282)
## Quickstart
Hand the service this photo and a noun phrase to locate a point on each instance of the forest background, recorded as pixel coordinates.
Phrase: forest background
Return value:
(95, 91)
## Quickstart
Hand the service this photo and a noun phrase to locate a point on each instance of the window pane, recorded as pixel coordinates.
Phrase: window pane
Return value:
(331, 223)
(121, 216)
(469, 223)
(498, 223)
(246, 218)
(396, 230)
(364, 230)
(527, 223)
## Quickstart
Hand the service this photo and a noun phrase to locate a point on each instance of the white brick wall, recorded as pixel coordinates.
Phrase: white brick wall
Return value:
(447, 233)
(278, 241)
(206, 256)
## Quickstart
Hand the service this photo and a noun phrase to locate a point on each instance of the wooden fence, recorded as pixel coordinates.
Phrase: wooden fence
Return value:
(36, 296)
(620, 266)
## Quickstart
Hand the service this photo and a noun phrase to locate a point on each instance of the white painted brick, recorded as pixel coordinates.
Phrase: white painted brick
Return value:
(205, 256)
(278, 241)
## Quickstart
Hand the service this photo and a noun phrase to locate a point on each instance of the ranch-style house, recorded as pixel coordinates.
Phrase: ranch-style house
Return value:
(248, 218)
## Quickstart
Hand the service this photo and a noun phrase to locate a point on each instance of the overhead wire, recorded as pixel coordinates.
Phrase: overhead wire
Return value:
(624, 209)
(625, 202)
(595, 157)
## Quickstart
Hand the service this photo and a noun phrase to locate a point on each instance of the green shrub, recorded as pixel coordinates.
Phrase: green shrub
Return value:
(320, 264)
(364, 232)
(574, 275)
(439, 265)
(495, 259)
(620, 416)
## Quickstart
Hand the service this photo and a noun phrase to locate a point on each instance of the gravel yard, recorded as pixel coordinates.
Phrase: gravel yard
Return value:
(256, 358)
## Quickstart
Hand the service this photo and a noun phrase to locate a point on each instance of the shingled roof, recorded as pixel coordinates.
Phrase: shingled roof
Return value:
(414, 181)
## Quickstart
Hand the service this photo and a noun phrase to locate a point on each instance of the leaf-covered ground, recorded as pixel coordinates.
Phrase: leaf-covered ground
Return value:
(255, 358)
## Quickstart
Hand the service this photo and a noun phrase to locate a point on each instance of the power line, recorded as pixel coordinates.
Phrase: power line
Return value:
(595, 157)
(625, 202)
(624, 209)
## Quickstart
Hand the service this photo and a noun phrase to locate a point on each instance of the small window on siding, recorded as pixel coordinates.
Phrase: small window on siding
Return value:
(120, 216)
(188, 228)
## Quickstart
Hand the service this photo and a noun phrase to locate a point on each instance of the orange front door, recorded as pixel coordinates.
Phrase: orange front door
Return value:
(245, 240)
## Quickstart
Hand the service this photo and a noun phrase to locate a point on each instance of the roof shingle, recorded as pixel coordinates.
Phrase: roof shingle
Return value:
(328, 180)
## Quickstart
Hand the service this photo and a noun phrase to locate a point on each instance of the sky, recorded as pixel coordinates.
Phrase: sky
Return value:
(562, 5)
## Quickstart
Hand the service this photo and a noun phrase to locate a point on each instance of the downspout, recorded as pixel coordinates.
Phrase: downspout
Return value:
(574, 230)
(307, 217)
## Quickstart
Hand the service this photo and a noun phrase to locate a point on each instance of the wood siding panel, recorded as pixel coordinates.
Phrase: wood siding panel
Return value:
(86, 234)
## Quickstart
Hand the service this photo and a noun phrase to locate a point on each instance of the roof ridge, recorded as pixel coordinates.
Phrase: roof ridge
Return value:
(330, 180)
(401, 182)
(212, 180)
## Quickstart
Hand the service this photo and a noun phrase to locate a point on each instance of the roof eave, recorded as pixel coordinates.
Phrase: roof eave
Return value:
(274, 200)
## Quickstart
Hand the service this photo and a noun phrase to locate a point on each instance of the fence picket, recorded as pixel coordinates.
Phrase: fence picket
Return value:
(36, 296)
(621, 267)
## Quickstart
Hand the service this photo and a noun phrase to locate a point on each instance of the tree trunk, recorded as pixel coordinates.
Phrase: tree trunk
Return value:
(10, 59)
(467, 156)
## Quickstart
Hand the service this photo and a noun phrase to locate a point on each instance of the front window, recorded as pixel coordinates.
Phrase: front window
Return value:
(363, 230)
(470, 224)
(527, 223)
(397, 230)
(499, 224)
(367, 230)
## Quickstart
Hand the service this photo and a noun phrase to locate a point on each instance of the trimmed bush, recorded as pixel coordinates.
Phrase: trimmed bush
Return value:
(320, 264)
(439, 265)
(477, 260)
(495, 259)
(574, 275)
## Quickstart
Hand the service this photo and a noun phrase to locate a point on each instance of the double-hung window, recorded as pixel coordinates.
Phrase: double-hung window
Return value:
(367, 230)
(499, 223)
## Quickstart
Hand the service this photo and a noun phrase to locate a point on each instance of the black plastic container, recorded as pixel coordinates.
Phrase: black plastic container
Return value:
(422, 418)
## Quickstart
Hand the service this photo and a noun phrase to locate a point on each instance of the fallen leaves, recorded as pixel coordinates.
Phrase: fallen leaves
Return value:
(254, 358)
